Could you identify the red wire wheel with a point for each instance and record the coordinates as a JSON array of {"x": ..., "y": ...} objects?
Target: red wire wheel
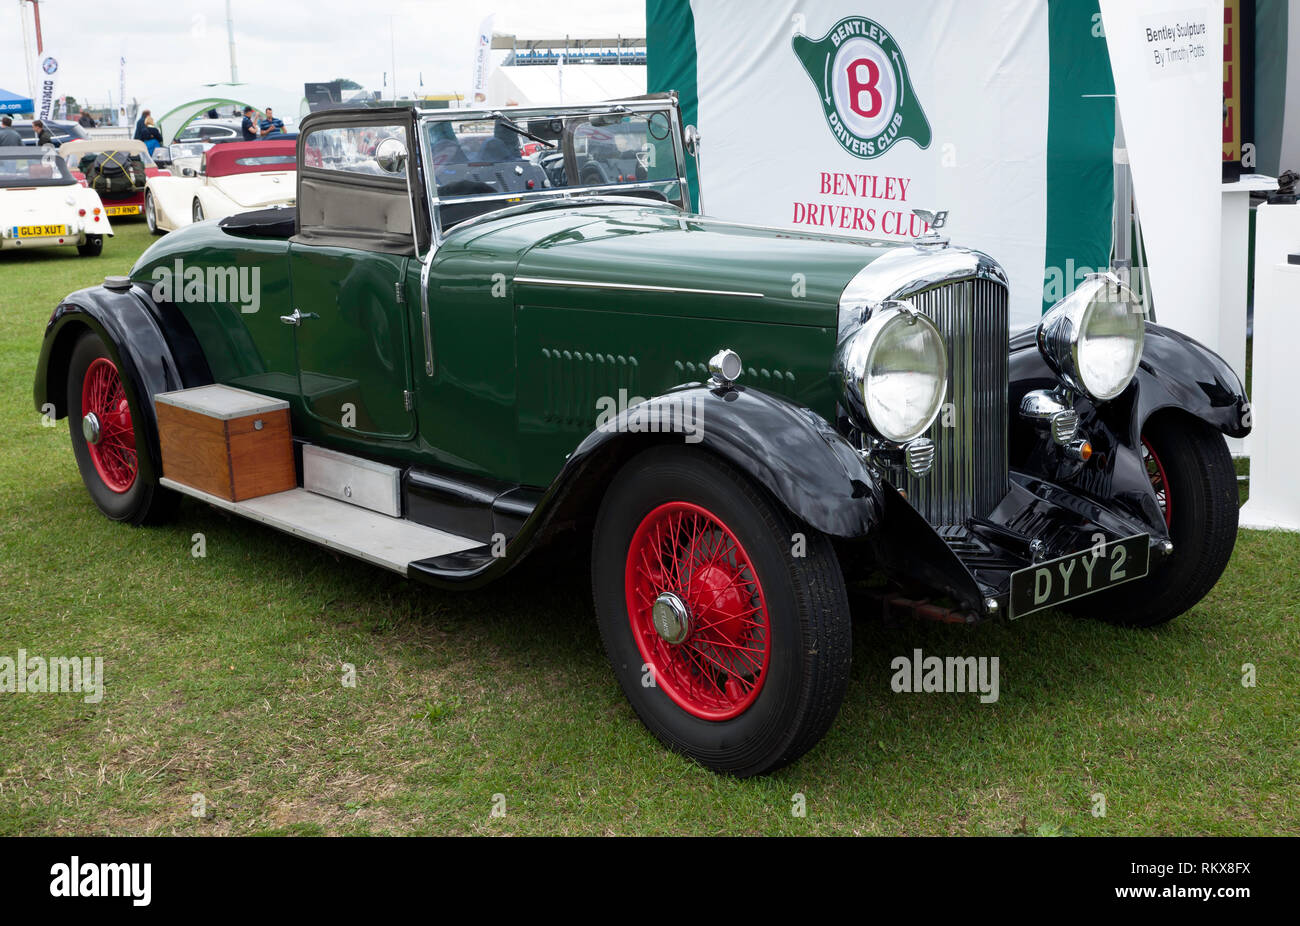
[
  {"x": 1159, "y": 481},
  {"x": 113, "y": 453},
  {"x": 697, "y": 611}
]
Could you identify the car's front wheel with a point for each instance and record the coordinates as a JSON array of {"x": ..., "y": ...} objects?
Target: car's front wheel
[
  {"x": 93, "y": 247},
  {"x": 151, "y": 213},
  {"x": 107, "y": 440},
  {"x": 726, "y": 620},
  {"x": 1195, "y": 485}
]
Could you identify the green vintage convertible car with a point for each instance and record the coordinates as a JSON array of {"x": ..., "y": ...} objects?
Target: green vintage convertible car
[{"x": 449, "y": 354}]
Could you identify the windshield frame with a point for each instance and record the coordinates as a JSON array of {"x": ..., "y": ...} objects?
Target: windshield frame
[{"x": 666, "y": 103}]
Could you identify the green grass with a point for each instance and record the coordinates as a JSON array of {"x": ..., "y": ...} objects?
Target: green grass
[{"x": 224, "y": 678}]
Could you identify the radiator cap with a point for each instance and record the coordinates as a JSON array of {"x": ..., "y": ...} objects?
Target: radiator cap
[{"x": 117, "y": 284}]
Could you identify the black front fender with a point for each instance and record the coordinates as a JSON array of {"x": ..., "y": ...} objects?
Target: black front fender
[
  {"x": 1175, "y": 372},
  {"x": 789, "y": 450}
]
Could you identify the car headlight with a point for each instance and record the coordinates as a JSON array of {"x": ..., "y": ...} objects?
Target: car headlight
[
  {"x": 895, "y": 372},
  {"x": 1092, "y": 339}
]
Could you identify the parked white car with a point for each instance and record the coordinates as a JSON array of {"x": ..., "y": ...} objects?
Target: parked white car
[
  {"x": 43, "y": 206},
  {"x": 232, "y": 177},
  {"x": 210, "y": 130}
]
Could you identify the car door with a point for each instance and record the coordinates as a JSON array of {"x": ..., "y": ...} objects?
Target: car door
[{"x": 348, "y": 269}]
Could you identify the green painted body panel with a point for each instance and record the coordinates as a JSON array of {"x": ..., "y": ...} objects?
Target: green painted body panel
[
  {"x": 799, "y": 276},
  {"x": 251, "y": 350},
  {"x": 354, "y": 360},
  {"x": 528, "y": 336}
]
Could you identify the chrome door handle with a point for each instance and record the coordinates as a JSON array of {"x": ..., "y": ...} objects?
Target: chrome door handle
[{"x": 297, "y": 318}]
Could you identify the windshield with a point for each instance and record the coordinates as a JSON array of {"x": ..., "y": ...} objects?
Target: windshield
[
  {"x": 485, "y": 163},
  {"x": 187, "y": 150},
  {"x": 40, "y": 169}
]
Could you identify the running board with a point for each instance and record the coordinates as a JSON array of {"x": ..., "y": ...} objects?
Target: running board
[{"x": 389, "y": 542}]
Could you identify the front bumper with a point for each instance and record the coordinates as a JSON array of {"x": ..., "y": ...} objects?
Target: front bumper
[{"x": 964, "y": 573}]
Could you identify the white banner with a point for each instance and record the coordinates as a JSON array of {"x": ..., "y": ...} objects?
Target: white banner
[
  {"x": 47, "y": 70},
  {"x": 483, "y": 60},
  {"x": 843, "y": 117},
  {"x": 1167, "y": 57}
]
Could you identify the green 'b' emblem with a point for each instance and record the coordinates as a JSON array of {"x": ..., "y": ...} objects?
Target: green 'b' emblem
[{"x": 861, "y": 78}]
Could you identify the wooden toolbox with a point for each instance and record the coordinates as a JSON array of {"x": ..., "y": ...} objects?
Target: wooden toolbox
[{"x": 227, "y": 442}]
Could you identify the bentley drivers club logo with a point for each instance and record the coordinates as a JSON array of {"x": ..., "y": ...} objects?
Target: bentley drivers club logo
[{"x": 861, "y": 79}]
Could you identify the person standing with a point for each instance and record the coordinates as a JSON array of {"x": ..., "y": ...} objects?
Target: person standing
[
  {"x": 9, "y": 137},
  {"x": 269, "y": 124},
  {"x": 139, "y": 125},
  {"x": 249, "y": 125},
  {"x": 150, "y": 135},
  {"x": 86, "y": 120},
  {"x": 43, "y": 136}
]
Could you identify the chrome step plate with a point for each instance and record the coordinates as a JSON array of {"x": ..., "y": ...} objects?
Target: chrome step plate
[{"x": 389, "y": 542}]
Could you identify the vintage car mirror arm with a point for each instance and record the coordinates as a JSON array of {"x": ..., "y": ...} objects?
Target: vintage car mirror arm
[{"x": 425, "y": 266}]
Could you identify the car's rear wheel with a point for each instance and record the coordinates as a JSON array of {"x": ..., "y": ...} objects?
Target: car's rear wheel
[
  {"x": 108, "y": 443},
  {"x": 93, "y": 247},
  {"x": 1195, "y": 486},
  {"x": 725, "y": 619},
  {"x": 151, "y": 213},
  {"x": 196, "y": 211}
]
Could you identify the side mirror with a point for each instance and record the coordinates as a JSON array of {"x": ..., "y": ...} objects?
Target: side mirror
[
  {"x": 162, "y": 157},
  {"x": 691, "y": 138},
  {"x": 188, "y": 172},
  {"x": 691, "y": 141},
  {"x": 390, "y": 155}
]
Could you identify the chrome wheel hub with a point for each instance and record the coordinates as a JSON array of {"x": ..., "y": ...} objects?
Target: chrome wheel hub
[
  {"x": 671, "y": 618},
  {"x": 90, "y": 428}
]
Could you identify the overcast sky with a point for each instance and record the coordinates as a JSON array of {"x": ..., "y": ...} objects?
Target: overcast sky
[{"x": 282, "y": 43}]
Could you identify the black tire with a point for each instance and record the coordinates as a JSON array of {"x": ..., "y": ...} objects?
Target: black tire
[
  {"x": 151, "y": 213},
  {"x": 145, "y": 502},
  {"x": 1202, "y": 494},
  {"x": 93, "y": 247},
  {"x": 807, "y": 606}
]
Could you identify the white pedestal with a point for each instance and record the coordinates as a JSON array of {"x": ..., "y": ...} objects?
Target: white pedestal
[
  {"x": 1233, "y": 277},
  {"x": 1274, "y": 442}
]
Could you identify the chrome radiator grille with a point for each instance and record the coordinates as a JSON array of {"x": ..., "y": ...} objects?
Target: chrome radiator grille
[{"x": 969, "y": 477}]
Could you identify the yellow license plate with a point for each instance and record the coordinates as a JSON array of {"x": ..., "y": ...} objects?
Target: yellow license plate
[
  {"x": 40, "y": 231},
  {"x": 122, "y": 210}
]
